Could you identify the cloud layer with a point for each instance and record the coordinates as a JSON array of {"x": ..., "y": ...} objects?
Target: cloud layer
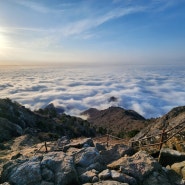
[{"x": 149, "y": 90}]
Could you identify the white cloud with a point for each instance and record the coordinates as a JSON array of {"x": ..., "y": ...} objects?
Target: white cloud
[{"x": 149, "y": 92}]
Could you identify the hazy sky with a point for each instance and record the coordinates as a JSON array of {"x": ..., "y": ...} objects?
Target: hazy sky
[{"x": 89, "y": 31}]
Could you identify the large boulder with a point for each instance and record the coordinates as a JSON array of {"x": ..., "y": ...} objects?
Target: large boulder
[
  {"x": 23, "y": 172},
  {"x": 87, "y": 157},
  {"x": 138, "y": 166},
  {"x": 169, "y": 156},
  {"x": 54, "y": 167},
  {"x": 115, "y": 153}
]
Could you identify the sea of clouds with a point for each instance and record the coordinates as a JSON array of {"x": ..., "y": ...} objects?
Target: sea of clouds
[{"x": 150, "y": 90}]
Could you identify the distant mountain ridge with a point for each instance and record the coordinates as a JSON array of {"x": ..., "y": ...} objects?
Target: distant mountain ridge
[{"x": 115, "y": 119}]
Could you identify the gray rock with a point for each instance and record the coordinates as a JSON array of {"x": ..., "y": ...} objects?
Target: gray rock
[
  {"x": 115, "y": 153},
  {"x": 123, "y": 178},
  {"x": 105, "y": 175},
  {"x": 26, "y": 173},
  {"x": 138, "y": 166},
  {"x": 79, "y": 144},
  {"x": 95, "y": 179},
  {"x": 169, "y": 157},
  {"x": 47, "y": 174},
  {"x": 117, "y": 176},
  {"x": 97, "y": 166},
  {"x": 54, "y": 166},
  {"x": 87, "y": 156},
  {"x": 100, "y": 147},
  {"x": 87, "y": 176},
  {"x": 62, "y": 166}
]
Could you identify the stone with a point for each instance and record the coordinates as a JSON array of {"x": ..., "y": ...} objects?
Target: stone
[
  {"x": 47, "y": 174},
  {"x": 115, "y": 153},
  {"x": 100, "y": 147},
  {"x": 87, "y": 176},
  {"x": 55, "y": 167},
  {"x": 87, "y": 157},
  {"x": 26, "y": 173},
  {"x": 62, "y": 167},
  {"x": 97, "y": 166},
  {"x": 117, "y": 176},
  {"x": 138, "y": 166},
  {"x": 123, "y": 178},
  {"x": 95, "y": 179},
  {"x": 105, "y": 175},
  {"x": 79, "y": 144},
  {"x": 169, "y": 157}
]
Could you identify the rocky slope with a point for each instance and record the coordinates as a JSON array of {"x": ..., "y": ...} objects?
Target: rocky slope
[
  {"x": 69, "y": 161},
  {"x": 84, "y": 162},
  {"x": 16, "y": 120},
  {"x": 115, "y": 120},
  {"x": 167, "y": 122}
]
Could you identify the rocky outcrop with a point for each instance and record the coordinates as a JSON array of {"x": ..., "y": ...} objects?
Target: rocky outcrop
[
  {"x": 8, "y": 130},
  {"x": 87, "y": 165},
  {"x": 46, "y": 124},
  {"x": 53, "y": 168}
]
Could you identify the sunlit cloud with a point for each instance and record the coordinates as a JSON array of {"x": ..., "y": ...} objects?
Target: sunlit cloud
[{"x": 150, "y": 92}]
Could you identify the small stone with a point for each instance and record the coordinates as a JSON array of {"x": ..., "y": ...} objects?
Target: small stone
[
  {"x": 95, "y": 179},
  {"x": 104, "y": 175}
]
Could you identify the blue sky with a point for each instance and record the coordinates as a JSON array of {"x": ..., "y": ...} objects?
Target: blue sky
[{"x": 92, "y": 31}]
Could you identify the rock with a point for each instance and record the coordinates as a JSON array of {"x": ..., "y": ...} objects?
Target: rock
[
  {"x": 87, "y": 157},
  {"x": 169, "y": 157},
  {"x": 105, "y": 175},
  {"x": 28, "y": 172},
  {"x": 179, "y": 168},
  {"x": 109, "y": 182},
  {"x": 47, "y": 174},
  {"x": 97, "y": 166},
  {"x": 63, "y": 141},
  {"x": 95, "y": 179},
  {"x": 100, "y": 147},
  {"x": 87, "y": 176},
  {"x": 123, "y": 178},
  {"x": 115, "y": 153},
  {"x": 62, "y": 167},
  {"x": 8, "y": 130},
  {"x": 138, "y": 166},
  {"x": 5, "y": 183},
  {"x": 163, "y": 177},
  {"x": 117, "y": 176},
  {"x": 79, "y": 144},
  {"x": 55, "y": 167}
]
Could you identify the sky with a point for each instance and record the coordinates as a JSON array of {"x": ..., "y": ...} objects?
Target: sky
[{"x": 92, "y": 32}]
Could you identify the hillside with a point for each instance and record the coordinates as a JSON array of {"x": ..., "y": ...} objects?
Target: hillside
[
  {"x": 48, "y": 124},
  {"x": 115, "y": 120}
]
